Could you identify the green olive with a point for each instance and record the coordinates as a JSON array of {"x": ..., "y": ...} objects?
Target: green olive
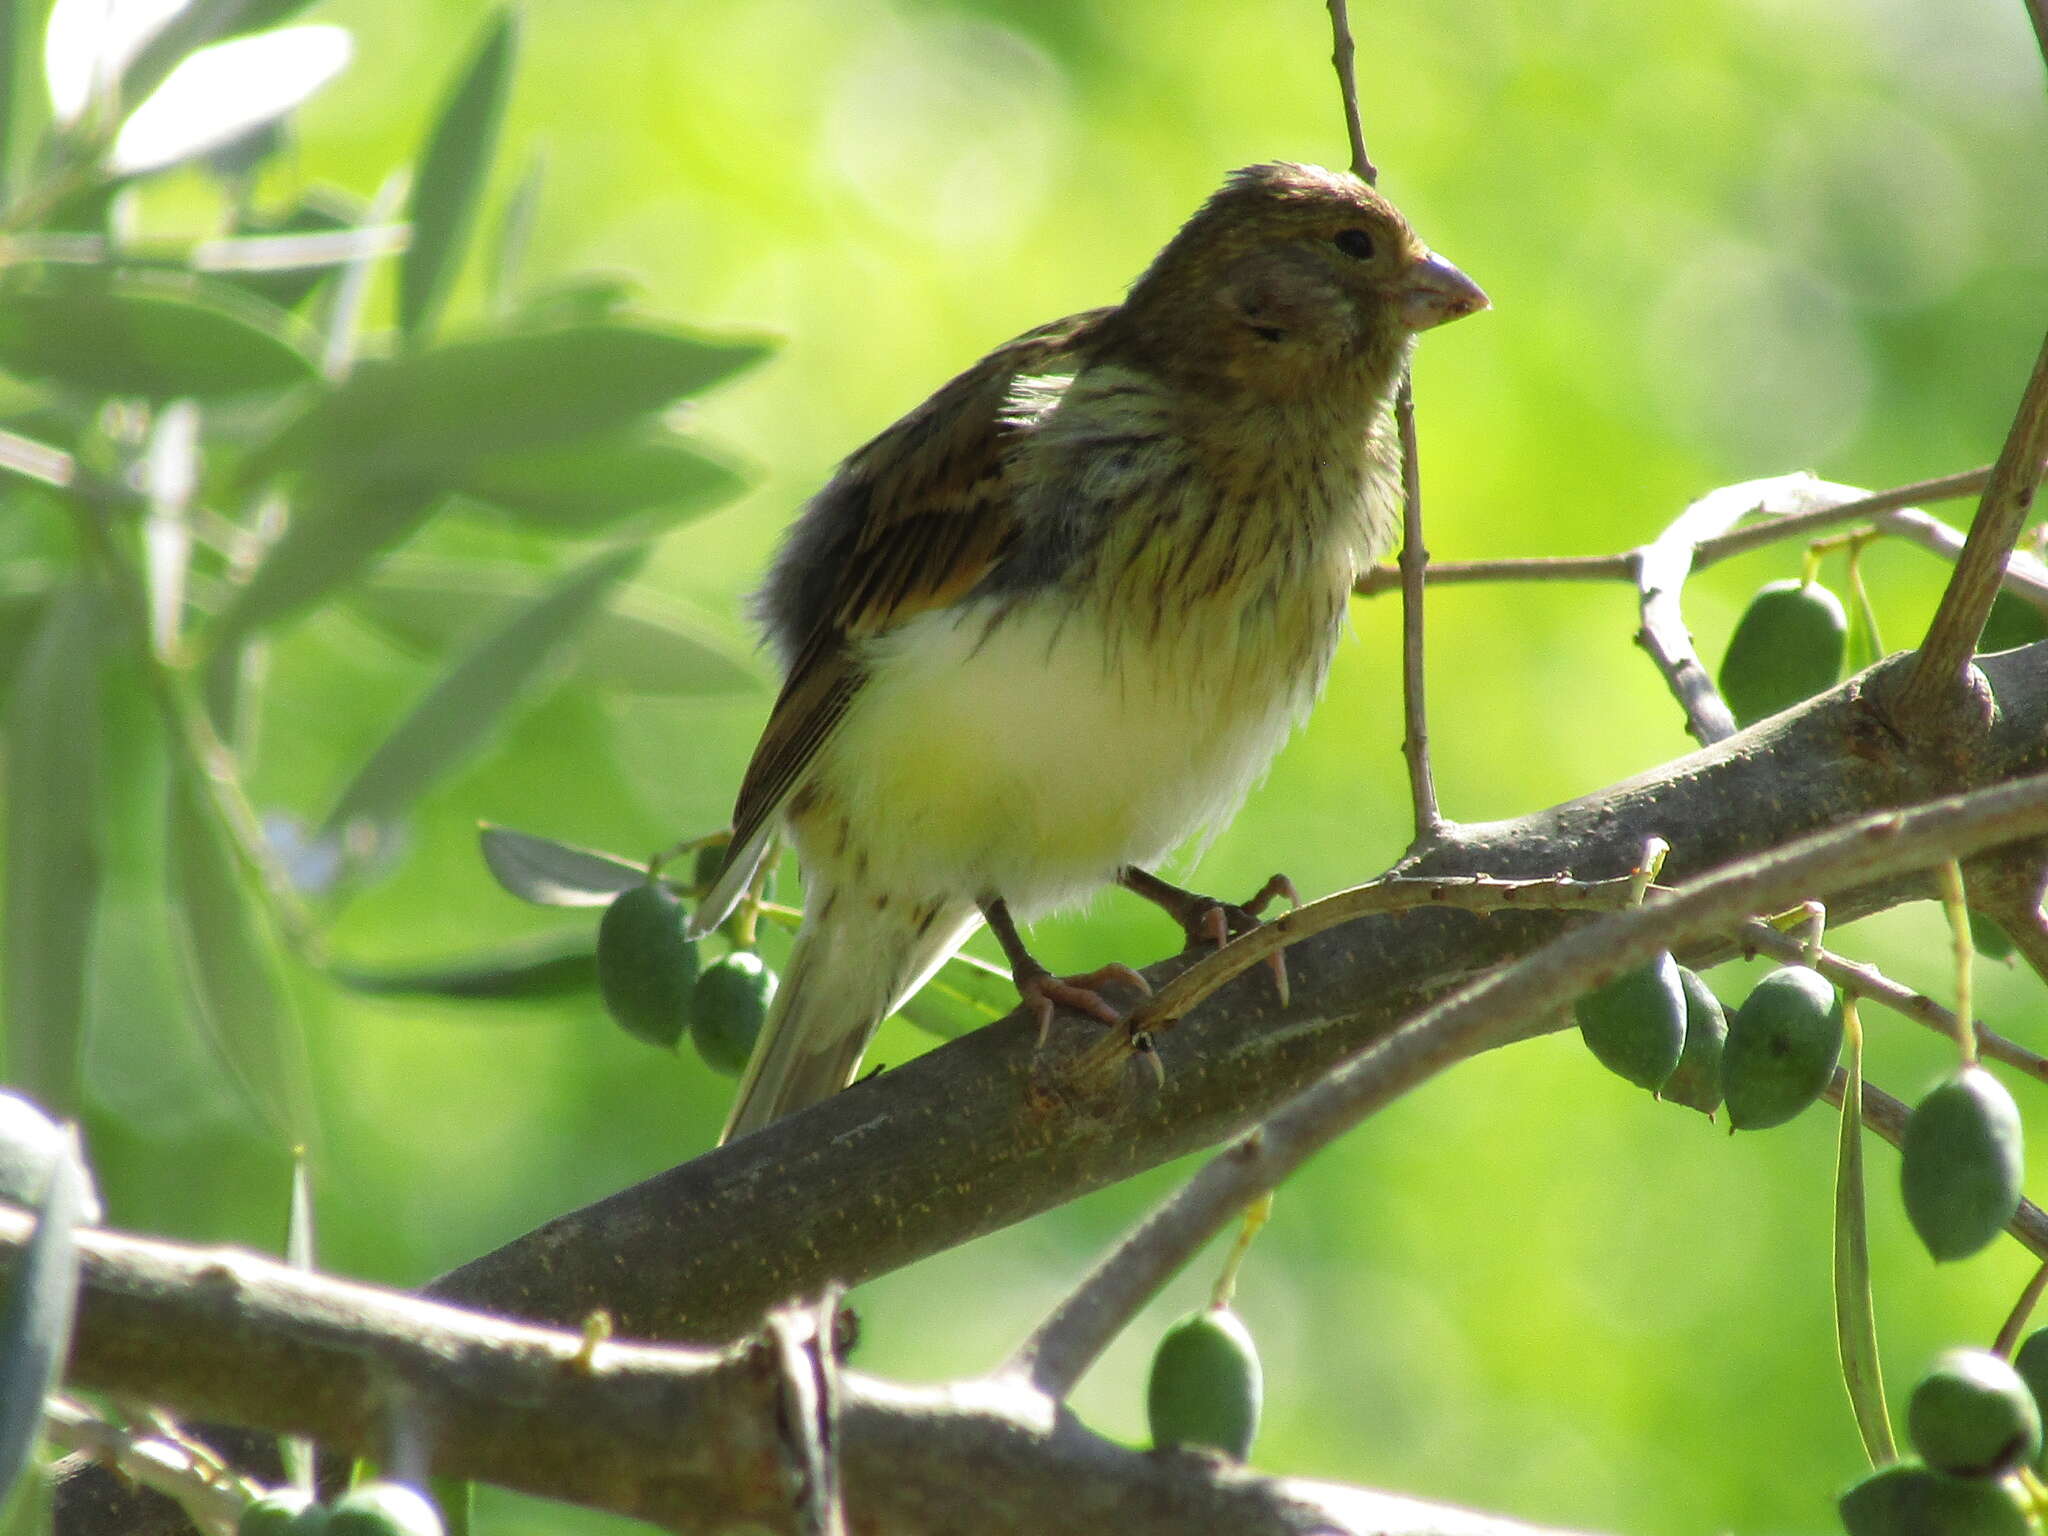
[
  {"x": 384, "y": 1509},
  {"x": 1781, "y": 1050},
  {"x": 728, "y": 1009},
  {"x": 1635, "y": 1024},
  {"x": 1972, "y": 1416},
  {"x": 1961, "y": 1163},
  {"x": 1206, "y": 1387},
  {"x": 283, "y": 1512},
  {"x": 1787, "y": 647},
  {"x": 1911, "y": 1500},
  {"x": 1696, "y": 1081},
  {"x": 646, "y": 969}
]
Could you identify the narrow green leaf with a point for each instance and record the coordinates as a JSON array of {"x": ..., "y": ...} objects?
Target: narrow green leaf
[
  {"x": 643, "y": 642},
  {"x": 53, "y": 863},
  {"x": 438, "y": 412},
  {"x": 1855, "y": 1313},
  {"x": 229, "y": 962},
  {"x": 21, "y": 615},
  {"x": 17, "y": 90},
  {"x": 449, "y": 187},
  {"x": 552, "y": 965},
  {"x": 31, "y": 1510},
  {"x": 582, "y": 488},
  {"x": 155, "y": 337},
  {"x": 460, "y": 711},
  {"x": 335, "y": 531},
  {"x": 220, "y": 94},
  {"x": 515, "y": 236},
  {"x": 1865, "y": 644},
  {"x": 35, "y": 1328},
  {"x": 296, "y": 1451},
  {"x": 552, "y": 874}
]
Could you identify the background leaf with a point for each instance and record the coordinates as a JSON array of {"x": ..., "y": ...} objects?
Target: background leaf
[
  {"x": 585, "y": 487},
  {"x": 443, "y": 410},
  {"x": 552, "y": 874},
  {"x": 229, "y": 961},
  {"x": 454, "y": 718},
  {"x": 35, "y": 1328},
  {"x": 335, "y": 531},
  {"x": 150, "y": 337},
  {"x": 224, "y": 92},
  {"x": 449, "y": 187},
  {"x": 550, "y": 965},
  {"x": 200, "y": 23},
  {"x": 641, "y": 643},
  {"x": 52, "y": 874}
]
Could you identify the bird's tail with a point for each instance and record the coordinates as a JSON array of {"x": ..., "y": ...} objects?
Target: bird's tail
[{"x": 853, "y": 964}]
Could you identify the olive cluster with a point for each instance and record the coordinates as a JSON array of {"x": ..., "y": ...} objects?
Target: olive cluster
[
  {"x": 655, "y": 987},
  {"x": 1975, "y": 1419}
]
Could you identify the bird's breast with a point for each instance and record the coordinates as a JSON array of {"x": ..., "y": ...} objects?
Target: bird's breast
[{"x": 1028, "y": 746}]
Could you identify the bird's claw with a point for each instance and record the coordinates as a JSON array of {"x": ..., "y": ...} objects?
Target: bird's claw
[
  {"x": 1042, "y": 992},
  {"x": 1218, "y": 922}
]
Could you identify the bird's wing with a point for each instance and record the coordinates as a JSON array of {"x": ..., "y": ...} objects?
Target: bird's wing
[{"x": 923, "y": 514}]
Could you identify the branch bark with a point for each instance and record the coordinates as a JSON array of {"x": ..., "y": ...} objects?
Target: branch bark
[{"x": 693, "y": 1440}]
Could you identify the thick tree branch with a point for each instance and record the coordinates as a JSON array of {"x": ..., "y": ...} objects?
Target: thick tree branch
[
  {"x": 1944, "y": 657},
  {"x": 693, "y": 1440}
]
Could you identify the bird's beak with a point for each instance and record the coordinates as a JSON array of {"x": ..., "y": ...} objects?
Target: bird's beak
[{"x": 1434, "y": 292}]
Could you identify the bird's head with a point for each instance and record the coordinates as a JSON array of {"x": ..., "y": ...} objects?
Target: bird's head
[{"x": 1293, "y": 279}]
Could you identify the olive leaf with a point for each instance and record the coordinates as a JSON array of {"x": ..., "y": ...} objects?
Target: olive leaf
[
  {"x": 459, "y": 712},
  {"x": 552, "y": 874},
  {"x": 449, "y": 187}
]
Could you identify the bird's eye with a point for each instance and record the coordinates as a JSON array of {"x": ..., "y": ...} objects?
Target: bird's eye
[{"x": 1355, "y": 243}]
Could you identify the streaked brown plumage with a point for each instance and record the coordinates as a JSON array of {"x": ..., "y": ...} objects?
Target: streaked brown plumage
[{"x": 1061, "y": 615}]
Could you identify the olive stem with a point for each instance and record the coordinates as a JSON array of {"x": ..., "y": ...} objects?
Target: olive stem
[
  {"x": 2016, "y": 1320},
  {"x": 1256, "y": 1215},
  {"x": 1950, "y": 875}
]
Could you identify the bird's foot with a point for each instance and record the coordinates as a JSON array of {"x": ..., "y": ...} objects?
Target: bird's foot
[
  {"x": 1042, "y": 992},
  {"x": 1205, "y": 920}
]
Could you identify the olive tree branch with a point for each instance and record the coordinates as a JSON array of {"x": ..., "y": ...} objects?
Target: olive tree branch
[
  {"x": 1488, "y": 1012},
  {"x": 1891, "y": 510},
  {"x": 696, "y": 1441}
]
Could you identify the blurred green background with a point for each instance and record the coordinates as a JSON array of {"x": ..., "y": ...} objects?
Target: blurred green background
[{"x": 1722, "y": 240}]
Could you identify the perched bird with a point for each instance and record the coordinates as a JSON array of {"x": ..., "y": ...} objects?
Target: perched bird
[{"x": 1062, "y": 615}]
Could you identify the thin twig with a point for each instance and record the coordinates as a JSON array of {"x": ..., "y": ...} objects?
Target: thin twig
[
  {"x": 1661, "y": 567},
  {"x": 1343, "y": 57},
  {"x": 1487, "y": 1011},
  {"x": 2022, "y": 1310},
  {"x": 1777, "y": 528},
  {"x": 1429, "y": 820},
  {"x": 2001, "y": 514}
]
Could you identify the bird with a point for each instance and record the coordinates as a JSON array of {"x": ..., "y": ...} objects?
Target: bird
[{"x": 1058, "y": 619}]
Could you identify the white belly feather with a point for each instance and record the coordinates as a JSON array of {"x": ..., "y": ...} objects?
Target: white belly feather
[{"x": 1034, "y": 757}]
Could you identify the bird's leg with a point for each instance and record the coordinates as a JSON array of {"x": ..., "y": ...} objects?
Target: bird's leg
[
  {"x": 1206, "y": 920},
  {"x": 1040, "y": 989}
]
